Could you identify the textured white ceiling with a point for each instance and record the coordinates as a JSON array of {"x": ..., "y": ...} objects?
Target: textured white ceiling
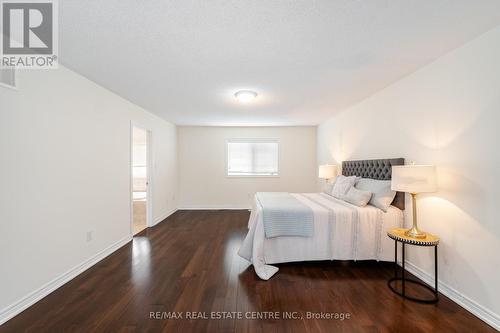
[{"x": 183, "y": 60}]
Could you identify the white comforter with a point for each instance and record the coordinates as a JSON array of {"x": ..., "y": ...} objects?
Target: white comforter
[{"x": 341, "y": 232}]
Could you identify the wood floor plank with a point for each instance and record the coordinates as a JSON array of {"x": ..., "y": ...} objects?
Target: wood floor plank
[{"x": 189, "y": 263}]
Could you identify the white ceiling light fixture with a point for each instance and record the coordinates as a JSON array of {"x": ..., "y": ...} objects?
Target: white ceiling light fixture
[{"x": 245, "y": 96}]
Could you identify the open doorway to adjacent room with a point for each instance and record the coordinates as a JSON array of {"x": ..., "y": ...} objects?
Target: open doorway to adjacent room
[{"x": 140, "y": 162}]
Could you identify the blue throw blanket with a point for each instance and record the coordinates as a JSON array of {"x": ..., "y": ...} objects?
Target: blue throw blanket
[{"x": 284, "y": 215}]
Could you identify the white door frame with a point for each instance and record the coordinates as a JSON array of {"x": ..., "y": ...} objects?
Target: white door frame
[{"x": 149, "y": 188}]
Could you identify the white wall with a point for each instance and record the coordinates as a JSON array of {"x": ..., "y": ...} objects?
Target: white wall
[
  {"x": 445, "y": 114},
  {"x": 65, "y": 144},
  {"x": 202, "y": 169}
]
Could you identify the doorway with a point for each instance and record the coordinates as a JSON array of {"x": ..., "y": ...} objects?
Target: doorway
[{"x": 140, "y": 179}]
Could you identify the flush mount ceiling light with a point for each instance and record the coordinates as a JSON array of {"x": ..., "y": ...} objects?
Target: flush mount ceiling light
[{"x": 245, "y": 96}]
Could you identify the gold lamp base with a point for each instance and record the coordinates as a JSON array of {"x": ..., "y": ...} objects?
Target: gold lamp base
[{"x": 414, "y": 232}]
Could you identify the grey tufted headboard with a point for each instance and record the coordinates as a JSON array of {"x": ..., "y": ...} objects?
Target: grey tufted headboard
[{"x": 376, "y": 169}]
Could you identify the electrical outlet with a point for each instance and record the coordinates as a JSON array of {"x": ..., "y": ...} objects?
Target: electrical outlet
[{"x": 90, "y": 236}]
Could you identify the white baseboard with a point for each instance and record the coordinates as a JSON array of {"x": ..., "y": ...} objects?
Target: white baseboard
[
  {"x": 213, "y": 208},
  {"x": 163, "y": 216},
  {"x": 30, "y": 299},
  {"x": 476, "y": 309}
]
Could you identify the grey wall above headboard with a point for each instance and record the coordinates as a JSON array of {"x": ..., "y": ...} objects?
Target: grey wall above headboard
[{"x": 380, "y": 169}]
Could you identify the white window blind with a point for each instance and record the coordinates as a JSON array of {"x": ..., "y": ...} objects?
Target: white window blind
[{"x": 252, "y": 157}]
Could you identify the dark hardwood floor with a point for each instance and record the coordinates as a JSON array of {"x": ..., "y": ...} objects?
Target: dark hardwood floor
[{"x": 189, "y": 263}]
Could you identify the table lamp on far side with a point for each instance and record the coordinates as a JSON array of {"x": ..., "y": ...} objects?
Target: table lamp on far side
[{"x": 327, "y": 172}]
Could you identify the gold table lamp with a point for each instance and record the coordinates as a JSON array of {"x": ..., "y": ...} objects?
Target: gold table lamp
[
  {"x": 414, "y": 179},
  {"x": 327, "y": 172}
]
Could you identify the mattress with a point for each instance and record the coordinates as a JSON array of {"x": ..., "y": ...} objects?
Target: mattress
[{"x": 341, "y": 232}]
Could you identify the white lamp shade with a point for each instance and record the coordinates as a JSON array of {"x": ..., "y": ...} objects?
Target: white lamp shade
[
  {"x": 414, "y": 178},
  {"x": 327, "y": 171}
]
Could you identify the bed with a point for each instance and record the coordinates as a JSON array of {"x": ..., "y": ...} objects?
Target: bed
[{"x": 341, "y": 231}]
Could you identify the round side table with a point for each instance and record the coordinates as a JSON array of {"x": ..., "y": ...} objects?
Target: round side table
[{"x": 398, "y": 235}]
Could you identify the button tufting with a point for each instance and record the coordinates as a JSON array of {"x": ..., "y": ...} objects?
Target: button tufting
[{"x": 380, "y": 169}]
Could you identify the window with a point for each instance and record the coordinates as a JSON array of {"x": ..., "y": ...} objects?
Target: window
[
  {"x": 255, "y": 158},
  {"x": 8, "y": 77}
]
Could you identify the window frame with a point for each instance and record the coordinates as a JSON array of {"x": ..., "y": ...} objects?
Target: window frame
[{"x": 251, "y": 140}]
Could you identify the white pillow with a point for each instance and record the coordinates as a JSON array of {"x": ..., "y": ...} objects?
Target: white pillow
[
  {"x": 357, "y": 197},
  {"x": 342, "y": 185},
  {"x": 382, "y": 195}
]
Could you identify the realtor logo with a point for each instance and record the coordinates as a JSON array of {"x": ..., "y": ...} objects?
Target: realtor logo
[{"x": 29, "y": 33}]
